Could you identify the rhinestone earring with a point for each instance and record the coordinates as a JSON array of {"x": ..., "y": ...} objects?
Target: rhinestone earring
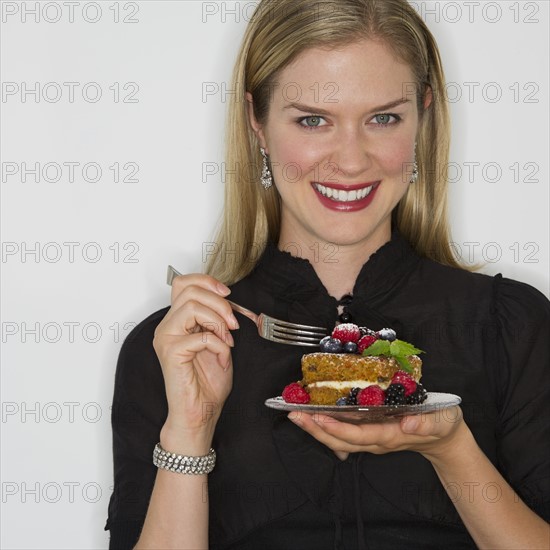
[
  {"x": 414, "y": 175},
  {"x": 266, "y": 177}
]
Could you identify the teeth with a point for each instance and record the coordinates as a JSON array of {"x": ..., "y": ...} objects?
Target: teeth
[{"x": 339, "y": 195}]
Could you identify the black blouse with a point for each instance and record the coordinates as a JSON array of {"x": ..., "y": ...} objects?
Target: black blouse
[{"x": 274, "y": 486}]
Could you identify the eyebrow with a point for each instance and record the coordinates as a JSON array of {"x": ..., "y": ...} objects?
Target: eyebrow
[{"x": 308, "y": 109}]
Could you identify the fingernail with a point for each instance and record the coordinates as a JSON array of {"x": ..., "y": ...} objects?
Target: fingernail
[
  {"x": 234, "y": 324},
  {"x": 295, "y": 417},
  {"x": 229, "y": 339},
  {"x": 223, "y": 290}
]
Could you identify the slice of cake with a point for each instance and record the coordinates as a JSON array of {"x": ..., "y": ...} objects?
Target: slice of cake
[
  {"x": 358, "y": 366},
  {"x": 330, "y": 376}
]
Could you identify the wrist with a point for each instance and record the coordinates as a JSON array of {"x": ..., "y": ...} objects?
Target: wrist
[
  {"x": 186, "y": 442},
  {"x": 456, "y": 451}
]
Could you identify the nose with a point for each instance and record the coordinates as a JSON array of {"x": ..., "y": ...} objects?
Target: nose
[{"x": 351, "y": 153}]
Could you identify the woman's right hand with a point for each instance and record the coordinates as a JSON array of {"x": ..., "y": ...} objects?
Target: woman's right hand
[{"x": 193, "y": 345}]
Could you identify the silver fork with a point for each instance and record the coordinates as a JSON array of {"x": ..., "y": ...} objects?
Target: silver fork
[{"x": 271, "y": 328}]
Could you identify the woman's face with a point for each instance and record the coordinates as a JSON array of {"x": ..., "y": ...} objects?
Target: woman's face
[{"x": 340, "y": 133}]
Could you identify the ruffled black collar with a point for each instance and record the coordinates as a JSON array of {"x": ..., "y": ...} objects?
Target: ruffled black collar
[{"x": 299, "y": 295}]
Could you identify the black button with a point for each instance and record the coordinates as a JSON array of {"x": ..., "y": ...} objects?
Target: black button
[{"x": 345, "y": 317}]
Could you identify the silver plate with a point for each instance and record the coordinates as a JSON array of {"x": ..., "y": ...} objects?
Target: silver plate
[{"x": 435, "y": 402}]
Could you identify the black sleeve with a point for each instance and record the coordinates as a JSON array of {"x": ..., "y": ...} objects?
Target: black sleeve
[
  {"x": 523, "y": 427},
  {"x": 138, "y": 413}
]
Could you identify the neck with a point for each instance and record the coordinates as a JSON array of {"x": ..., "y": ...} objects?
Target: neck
[{"x": 337, "y": 266}]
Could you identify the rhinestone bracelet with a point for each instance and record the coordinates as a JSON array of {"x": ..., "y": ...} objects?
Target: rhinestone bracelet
[{"x": 182, "y": 464}]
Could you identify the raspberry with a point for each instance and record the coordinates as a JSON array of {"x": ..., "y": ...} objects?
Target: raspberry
[
  {"x": 295, "y": 393},
  {"x": 406, "y": 380},
  {"x": 365, "y": 342},
  {"x": 395, "y": 395},
  {"x": 418, "y": 397},
  {"x": 371, "y": 395},
  {"x": 346, "y": 332}
]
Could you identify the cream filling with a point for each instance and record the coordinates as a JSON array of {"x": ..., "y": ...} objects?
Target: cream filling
[
  {"x": 347, "y": 384},
  {"x": 339, "y": 195}
]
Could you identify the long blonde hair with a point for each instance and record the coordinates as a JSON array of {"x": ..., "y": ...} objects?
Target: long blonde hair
[{"x": 277, "y": 33}]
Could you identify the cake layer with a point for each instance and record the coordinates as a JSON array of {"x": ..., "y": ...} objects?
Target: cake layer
[
  {"x": 326, "y": 396},
  {"x": 342, "y": 367}
]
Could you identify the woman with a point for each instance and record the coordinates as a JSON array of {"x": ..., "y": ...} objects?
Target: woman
[{"x": 340, "y": 145}]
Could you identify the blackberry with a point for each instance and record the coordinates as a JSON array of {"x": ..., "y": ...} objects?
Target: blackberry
[
  {"x": 352, "y": 397},
  {"x": 364, "y": 331},
  {"x": 418, "y": 397},
  {"x": 395, "y": 395}
]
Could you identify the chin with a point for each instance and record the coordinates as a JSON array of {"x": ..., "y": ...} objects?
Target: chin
[{"x": 346, "y": 237}]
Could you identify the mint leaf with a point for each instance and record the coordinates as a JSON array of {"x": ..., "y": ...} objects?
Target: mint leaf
[
  {"x": 399, "y": 347},
  {"x": 380, "y": 347},
  {"x": 404, "y": 363}
]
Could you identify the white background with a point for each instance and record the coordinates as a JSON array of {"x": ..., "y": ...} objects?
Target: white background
[{"x": 163, "y": 60}]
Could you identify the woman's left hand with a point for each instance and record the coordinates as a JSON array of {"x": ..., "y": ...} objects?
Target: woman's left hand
[{"x": 431, "y": 434}]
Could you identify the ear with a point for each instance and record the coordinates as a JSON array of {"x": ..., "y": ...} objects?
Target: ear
[
  {"x": 256, "y": 126},
  {"x": 428, "y": 97}
]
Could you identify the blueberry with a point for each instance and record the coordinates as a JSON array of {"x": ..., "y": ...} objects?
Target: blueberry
[
  {"x": 334, "y": 345},
  {"x": 323, "y": 342},
  {"x": 350, "y": 347},
  {"x": 387, "y": 334},
  {"x": 342, "y": 401}
]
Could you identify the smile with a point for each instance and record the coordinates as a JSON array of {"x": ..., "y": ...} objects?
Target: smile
[
  {"x": 341, "y": 195},
  {"x": 346, "y": 198}
]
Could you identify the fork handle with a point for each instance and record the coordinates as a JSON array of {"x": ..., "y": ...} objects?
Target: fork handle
[{"x": 246, "y": 312}]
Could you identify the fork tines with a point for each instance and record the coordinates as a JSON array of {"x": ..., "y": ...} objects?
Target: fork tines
[{"x": 301, "y": 335}]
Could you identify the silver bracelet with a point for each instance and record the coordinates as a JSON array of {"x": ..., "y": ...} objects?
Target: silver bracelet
[{"x": 182, "y": 464}]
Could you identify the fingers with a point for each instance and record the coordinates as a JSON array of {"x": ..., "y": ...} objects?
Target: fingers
[
  {"x": 198, "y": 280},
  {"x": 316, "y": 426},
  {"x": 194, "y": 316},
  {"x": 206, "y": 341},
  {"x": 175, "y": 349},
  {"x": 416, "y": 433},
  {"x": 436, "y": 424},
  {"x": 198, "y": 304}
]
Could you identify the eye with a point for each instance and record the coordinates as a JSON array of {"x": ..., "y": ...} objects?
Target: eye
[
  {"x": 312, "y": 121},
  {"x": 384, "y": 119}
]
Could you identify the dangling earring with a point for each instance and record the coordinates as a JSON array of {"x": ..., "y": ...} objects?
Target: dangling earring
[
  {"x": 266, "y": 177},
  {"x": 414, "y": 175}
]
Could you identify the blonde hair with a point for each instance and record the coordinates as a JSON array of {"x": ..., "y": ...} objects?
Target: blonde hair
[{"x": 277, "y": 33}]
